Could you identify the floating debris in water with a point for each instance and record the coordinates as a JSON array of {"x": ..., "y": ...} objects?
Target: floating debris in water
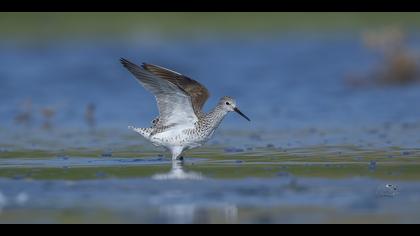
[
  {"x": 65, "y": 158},
  {"x": 107, "y": 154},
  {"x": 270, "y": 145},
  {"x": 372, "y": 165},
  {"x": 387, "y": 190},
  {"x": 232, "y": 149},
  {"x": 21, "y": 198},
  {"x": 239, "y": 161},
  {"x": 406, "y": 153}
]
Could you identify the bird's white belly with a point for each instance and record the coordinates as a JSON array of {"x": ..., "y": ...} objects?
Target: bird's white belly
[{"x": 177, "y": 137}]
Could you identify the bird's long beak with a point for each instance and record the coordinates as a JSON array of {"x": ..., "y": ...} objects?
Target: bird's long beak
[{"x": 240, "y": 113}]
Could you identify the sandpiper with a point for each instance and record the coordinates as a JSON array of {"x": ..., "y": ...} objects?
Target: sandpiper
[{"x": 181, "y": 124}]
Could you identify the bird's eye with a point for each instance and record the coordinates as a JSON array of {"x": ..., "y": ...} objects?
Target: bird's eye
[{"x": 227, "y": 103}]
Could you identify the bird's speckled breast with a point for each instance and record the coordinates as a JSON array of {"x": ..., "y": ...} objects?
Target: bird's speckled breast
[
  {"x": 189, "y": 136},
  {"x": 186, "y": 137}
]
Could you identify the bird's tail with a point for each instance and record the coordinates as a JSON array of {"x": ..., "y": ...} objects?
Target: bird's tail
[{"x": 145, "y": 132}]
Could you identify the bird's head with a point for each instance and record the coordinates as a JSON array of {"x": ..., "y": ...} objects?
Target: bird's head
[{"x": 229, "y": 104}]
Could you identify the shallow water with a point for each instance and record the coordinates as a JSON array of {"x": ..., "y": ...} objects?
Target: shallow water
[
  {"x": 316, "y": 150},
  {"x": 201, "y": 191},
  {"x": 136, "y": 184}
]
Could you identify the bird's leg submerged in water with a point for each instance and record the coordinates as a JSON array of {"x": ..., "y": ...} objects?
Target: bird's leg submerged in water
[{"x": 176, "y": 153}]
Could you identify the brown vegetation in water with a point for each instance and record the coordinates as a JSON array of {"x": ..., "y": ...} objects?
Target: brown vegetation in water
[
  {"x": 48, "y": 113},
  {"x": 399, "y": 65}
]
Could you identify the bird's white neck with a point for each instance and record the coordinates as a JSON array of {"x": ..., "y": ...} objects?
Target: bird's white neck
[{"x": 216, "y": 116}]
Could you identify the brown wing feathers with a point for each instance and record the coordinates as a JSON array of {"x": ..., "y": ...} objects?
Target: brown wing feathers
[{"x": 198, "y": 93}]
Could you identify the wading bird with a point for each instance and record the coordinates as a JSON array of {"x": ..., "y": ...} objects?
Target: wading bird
[{"x": 181, "y": 124}]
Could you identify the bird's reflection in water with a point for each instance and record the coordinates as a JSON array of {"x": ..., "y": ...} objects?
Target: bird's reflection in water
[
  {"x": 178, "y": 172},
  {"x": 183, "y": 212},
  {"x": 187, "y": 213}
]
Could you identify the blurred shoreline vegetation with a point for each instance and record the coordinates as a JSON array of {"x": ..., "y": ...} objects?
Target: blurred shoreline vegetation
[
  {"x": 66, "y": 25},
  {"x": 399, "y": 63}
]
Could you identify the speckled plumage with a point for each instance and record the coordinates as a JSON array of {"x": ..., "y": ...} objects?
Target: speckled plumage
[{"x": 181, "y": 124}]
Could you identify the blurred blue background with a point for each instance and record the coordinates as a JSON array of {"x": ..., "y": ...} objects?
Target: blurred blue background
[{"x": 319, "y": 71}]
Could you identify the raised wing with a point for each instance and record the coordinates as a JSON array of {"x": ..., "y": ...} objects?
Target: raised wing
[
  {"x": 198, "y": 93},
  {"x": 175, "y": 106}
]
